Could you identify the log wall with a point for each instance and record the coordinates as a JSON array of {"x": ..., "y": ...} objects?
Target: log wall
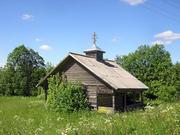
[{"x": 76, "y": 72}]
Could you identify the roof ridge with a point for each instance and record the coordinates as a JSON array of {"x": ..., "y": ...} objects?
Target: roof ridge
[
  {"x": 110, "y": 60},
  {"x": 80, "y": 55},
  {"x": 89, "y": 56}
]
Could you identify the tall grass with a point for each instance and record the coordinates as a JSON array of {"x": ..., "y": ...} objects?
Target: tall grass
[{"x": 29, "y": 116}]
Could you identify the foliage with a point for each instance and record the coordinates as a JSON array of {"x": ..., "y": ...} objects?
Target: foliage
[
  {"x": 65, "y": 96},
  {"x": 41, "y": 93},
  {"x": 49, "y": 67},
  {"x": 166, "y": 93},
  {"x": 176, "y": 69},
  {"x": 22, "y": 72},
  {"x": 28, "y": 116},
  {"x": 153, "y": 66}
]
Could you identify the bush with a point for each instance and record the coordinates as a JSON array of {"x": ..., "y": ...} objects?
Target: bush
[
  {"x": 65, "y": 96},
  {"x": 167, "y": 93}
]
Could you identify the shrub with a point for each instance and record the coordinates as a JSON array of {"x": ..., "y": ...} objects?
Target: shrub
[
  {"x": 65, "y": 96},
  {"x": 166, "y": 93}
]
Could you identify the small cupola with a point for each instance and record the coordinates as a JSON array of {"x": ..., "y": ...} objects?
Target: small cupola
[{"x": 95, "y": 51}]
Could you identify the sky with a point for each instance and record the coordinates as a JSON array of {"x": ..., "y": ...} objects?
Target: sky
[{"x": 54, "y": 28}]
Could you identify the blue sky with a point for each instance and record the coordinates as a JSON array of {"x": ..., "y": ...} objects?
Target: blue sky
[{"x": 56, "y": 27}]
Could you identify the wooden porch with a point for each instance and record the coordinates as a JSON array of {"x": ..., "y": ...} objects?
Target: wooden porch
[{"x": 121, "y": 101}]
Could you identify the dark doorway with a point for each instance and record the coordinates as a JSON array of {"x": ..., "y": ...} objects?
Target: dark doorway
[
  {"x": 105, "y": 100},
  {"x": 119, "y": 101}
]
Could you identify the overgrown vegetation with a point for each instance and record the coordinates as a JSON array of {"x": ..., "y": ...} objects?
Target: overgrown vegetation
[
  {"x": 65, "y": 96},
  {"x": 153, "y": 66},
  {"x": 29, "y": 116}
]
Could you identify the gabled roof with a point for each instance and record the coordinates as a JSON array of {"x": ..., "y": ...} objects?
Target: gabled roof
[{"x": 108, "y": 71}]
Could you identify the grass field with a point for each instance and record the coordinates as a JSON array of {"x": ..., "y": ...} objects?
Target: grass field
[{"x": 28, "y": 116}]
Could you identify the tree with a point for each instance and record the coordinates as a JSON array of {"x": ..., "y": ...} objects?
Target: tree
[
  {"x": 49, "y": 67},
  {"x": 22, "y": 72},
  {"x": 1, "y": 78},
  {"x": 6, "y": 77},
  {"x": 152, "y": 65},
  {"x": 176, "y": 69}
]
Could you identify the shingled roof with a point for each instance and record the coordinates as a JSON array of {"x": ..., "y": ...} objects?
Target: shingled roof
[{"x": 108, "y": 71}]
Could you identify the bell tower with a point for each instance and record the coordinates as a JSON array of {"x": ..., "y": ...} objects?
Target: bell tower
[{"x": 95, "y": 51}]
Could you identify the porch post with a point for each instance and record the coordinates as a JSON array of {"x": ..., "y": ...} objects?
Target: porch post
[
  {"x": 113, "y": 101},
  {"x": 142, "y": 97},
  {"x": 133, "y": 97},
  {"x": 45, "y": 94},
  {"x": 46, "y": 89},
  {"x": 97, "y": 101},
  {"x": 97, "y": 97},
  {"x": 125, "y": 101}
]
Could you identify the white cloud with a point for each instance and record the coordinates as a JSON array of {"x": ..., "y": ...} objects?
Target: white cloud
[
  {"x": 166, "y": 37},
  {"x": 160, "y": 42},
  {"x": 27, "y": 17},
  {"x": 115, "y": 39},
  {"x": 38, "y": 39},
  {"x": 45, "y": 47},
  {"x": 134, "y": 2}
]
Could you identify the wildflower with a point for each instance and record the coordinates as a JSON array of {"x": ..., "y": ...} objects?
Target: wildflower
[
  {"x": 58, "y": 131},
  {"x": 63, "y": 133},
  {"x": 75, "y": 129},
  {"x": 81, "y": 123},
  {"x": 40, "y": 129},
  {"x": 68, "y": 127},
  {"x": 176, "y": 120},
  {"x": 30, "y": 120},
  {"x": 124, "y": 116},
  {"x": 93, "y": 126},
  {"x": 149, "y": 107},
  {"x": 164, "y": 111},
  {"x": 169, "y": 108},
  {"x": 59, "y": 118},
  {"x": 16, "y": 117},
  {"x": 107, "y": 121}
]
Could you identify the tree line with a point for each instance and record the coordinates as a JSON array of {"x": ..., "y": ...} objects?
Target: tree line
[{"x": 150, "y": 64}]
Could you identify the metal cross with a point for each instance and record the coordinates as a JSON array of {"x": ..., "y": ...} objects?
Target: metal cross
[{"x": 94, "y": 38}]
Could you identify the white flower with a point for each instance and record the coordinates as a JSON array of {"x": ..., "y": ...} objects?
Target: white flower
[
  {"x": 59, "y": 118},
  {"x": 16, "y": 117},
  {"x": 107, "y": 121},
  {"x": 149, "y": 107},
  {"x": 63, "y": 133},
  {"x": 30, "y": 120}
]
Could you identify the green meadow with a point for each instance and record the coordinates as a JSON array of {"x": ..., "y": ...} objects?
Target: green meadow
[{"x": 29, "y": 116}]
